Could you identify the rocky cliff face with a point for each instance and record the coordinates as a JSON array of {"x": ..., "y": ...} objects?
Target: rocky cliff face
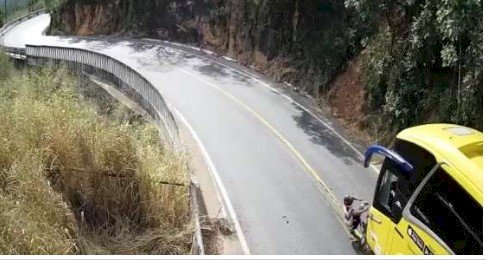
[
  {"x": 87, "y": 18},
  {"x": 302, "y": 42}
]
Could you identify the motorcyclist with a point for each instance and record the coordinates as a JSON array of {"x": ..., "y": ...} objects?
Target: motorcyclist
[
  {"x": 351, "y": 220},
  {"x": 352, "y": 215}
]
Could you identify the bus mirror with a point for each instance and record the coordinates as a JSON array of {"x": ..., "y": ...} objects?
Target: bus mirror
[
  {"x": 377, "y": 159},
  {"x": 396, "y": 209},
  {"x": 390, "y": 154}
]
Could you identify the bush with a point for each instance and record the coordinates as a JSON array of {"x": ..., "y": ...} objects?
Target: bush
[
  {"x": 425, "y": 64},
  {"x": 76, "y": 182}
]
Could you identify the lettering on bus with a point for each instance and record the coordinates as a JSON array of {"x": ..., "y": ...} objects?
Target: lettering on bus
[{"x": 418, "y": 241}]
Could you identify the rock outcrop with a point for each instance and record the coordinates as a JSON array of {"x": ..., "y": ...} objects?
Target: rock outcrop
[{"x": 301, "y": 42}]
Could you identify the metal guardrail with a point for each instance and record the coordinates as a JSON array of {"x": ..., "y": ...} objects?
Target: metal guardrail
[
  {"x": 126, "y": 79},
  {"x": 15, "y": 50},
  {"x": 197, "y": 242},
  {"x": 16, "y": 53},
  {"x": 9, "y": 25}
]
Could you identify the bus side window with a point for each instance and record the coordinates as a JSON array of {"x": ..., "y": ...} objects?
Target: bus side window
[
  {"x": 388, "y": 198},
  {"x": 451, "y": 213}
]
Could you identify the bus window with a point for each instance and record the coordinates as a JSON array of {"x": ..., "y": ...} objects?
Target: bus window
[
  {"x": 387, "y": 197},
  {"x": 395, "y": 188},
  {"x": 451, "y": 213}
]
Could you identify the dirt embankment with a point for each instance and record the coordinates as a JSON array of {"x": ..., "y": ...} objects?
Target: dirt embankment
[
  {"x": 347, "y": 99},
  {"x": 86, "y": 19}
]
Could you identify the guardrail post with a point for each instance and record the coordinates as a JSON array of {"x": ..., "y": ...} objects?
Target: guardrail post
[{"x": 197, "y": 244}]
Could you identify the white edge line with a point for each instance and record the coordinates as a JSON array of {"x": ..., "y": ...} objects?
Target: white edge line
[
  {"x": 229, "y": 58},
  {"x": 222, "y": 213},
  {"x": 321, "y": 121},
  {"x": 360, "y": 154},
  {"x": 219, "y": 183},
  {"x": 276, "y": 90},
  {"x": 298, "y": 104}
]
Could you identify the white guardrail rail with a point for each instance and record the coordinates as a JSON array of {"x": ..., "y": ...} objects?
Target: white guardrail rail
[
  {"x": 9, "y": 25},
  {"x": 126, "y": 79}
]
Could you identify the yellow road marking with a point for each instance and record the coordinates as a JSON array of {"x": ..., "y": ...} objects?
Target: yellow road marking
[
  {"x": 327, "y": 191},
  {"x": 359, "y": 153}
]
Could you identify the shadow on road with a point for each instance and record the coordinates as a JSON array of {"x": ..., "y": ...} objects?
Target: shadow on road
[{"x": 321, "y": 135}]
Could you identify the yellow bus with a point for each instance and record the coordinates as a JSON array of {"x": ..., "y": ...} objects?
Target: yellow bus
[{"x": 429, "y": 194}]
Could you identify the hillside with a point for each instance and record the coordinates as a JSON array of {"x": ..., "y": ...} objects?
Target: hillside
[{"x": 380, "y": 68}]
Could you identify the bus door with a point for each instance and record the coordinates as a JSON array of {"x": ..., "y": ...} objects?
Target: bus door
[
  {"x": 404, "y": 237},
  {"x": 403, "y": 170},
  {"x": 386, "y": 210}
]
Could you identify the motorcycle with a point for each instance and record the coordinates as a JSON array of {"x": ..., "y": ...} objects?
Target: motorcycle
[{"x": 356, "y": 218}]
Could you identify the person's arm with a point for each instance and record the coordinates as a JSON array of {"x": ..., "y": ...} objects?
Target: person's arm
[{"x": 349, "y": 215}]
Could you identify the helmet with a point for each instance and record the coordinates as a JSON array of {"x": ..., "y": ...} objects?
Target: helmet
[{"x": 348, "y": 200}]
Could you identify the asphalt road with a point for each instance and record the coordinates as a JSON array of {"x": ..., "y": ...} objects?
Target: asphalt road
[{"x": 283, "y": 169}]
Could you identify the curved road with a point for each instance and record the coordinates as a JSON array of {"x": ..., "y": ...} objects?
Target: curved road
[{"x": 283, "y": 169}]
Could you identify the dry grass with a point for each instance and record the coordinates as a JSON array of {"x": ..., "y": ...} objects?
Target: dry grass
[{"x": 76, "y": 182}]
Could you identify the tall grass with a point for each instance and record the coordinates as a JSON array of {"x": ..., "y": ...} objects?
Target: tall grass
[{"x": 74, "y": 181}]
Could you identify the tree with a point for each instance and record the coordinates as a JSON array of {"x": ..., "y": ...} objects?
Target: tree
[
  {"x": 2, "y": 18},
  {"x": 431, "y": 60}
]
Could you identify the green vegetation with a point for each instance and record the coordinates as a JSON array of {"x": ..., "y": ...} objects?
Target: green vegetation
[
  {"x": 74, "y": 180},
  {"x": 425, "y": 62},
  {"x": 12, "y": 4},
  {"x": 17, "y": 8}
]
